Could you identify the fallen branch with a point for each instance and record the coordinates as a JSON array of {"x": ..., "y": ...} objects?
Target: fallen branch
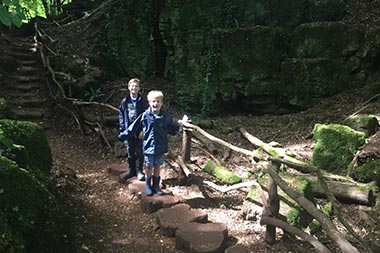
[
  {"x": 183, "y": 166},
  {"x": 225, "y": 189},
  {"x": 226, "y": 144},
  {"x": 325, "y": 222},
  {"x": 77, "y": 102},
  {"x": 266, "y": 220}
]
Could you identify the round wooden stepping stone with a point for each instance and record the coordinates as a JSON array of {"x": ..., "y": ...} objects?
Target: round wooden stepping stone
[
  {"x": 202, "y": 238},
  {"x": 150, "y": 204},
  {"x": 170, "y": 219}
]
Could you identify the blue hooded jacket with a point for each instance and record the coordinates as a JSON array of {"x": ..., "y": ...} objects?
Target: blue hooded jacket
[
  {"x": 155, "y": 131},
  {"x": 124, "y": 120}
]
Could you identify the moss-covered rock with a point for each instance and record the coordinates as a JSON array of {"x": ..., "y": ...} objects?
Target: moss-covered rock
[
  {"x": 298, "y": 216},
  {"x": 364, "y": 123},
  {"x": 30, "y": 217},
  {"x": 369, "y": 171},
  {"x": 5, "y": 110},
  {"x": 335, "y": 146},
  {"x": 31, "y": 136},
  {"x": 290, "y": 209},
  {"x": 221, "y": 173}
]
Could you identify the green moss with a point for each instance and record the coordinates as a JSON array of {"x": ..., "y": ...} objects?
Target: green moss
[
  {"x": 367, "y": 172},
  {"x": 8, "y": 242},
  {"x": 298, "y": 216},
  {"x": 5, "y": 110},
  {"x": 221, "y": 173},
  {"x": 294, "y": 213},
  {"x": 29, "y": 211},
  {"x": 335, "y": 146},
  {"x": 364, "y": 123},
  {"x": 31, "y": 136}
]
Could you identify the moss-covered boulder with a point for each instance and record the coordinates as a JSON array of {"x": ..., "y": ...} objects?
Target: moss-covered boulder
[
  {"x": 5, "y": 110},
  {"x": 30, "y": 217},
  {"x": 294, "y": 213},
  {"x": 367, "y": 172},
  {"x": 221, "y": 173},
  {"x": 335, "y": 146},
  {"x": 364, "y": 123},
  {"x": 31, "y": 136}
]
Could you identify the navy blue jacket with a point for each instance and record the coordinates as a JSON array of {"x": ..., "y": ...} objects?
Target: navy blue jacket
[
  {"x": 155, "y": 131},
  {"x": 124, "y": 121}
]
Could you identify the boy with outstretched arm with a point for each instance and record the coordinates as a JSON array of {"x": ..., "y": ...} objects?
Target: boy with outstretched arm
[
  {"x": 155, "y": 123},
  {"x": 132, "y": 106}
]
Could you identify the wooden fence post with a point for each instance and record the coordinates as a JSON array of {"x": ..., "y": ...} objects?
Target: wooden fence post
[
  {"x": 186, "y": 144},
  {"x": 274, "y": 204}
]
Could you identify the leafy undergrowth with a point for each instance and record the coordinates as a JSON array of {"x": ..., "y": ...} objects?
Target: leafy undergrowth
[{"x": 106, "y": 218}]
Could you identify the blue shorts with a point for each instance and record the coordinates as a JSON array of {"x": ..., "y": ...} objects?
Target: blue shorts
[{"x": 153, "y": 160}]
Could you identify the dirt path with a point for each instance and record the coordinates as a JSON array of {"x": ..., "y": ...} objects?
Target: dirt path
[{"x": 104, "y": 216}]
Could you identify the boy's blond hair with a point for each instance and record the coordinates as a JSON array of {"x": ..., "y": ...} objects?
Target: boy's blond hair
[
  {"x": 134, "y": 80},
  {"x": 155, "y": 94}
]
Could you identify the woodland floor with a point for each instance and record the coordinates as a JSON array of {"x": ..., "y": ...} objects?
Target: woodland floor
[{"x": 106, "y": 218}]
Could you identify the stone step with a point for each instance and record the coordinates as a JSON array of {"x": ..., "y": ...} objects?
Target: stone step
[
  {"x": 192, "y": 231},
  {"x": 22, "y": 55},
  {"x": 205, "y": 238},
  {"x": 29, "y": 113},
  {"x": 28, "y": 70},
  {"x": 24, "y": 47},
  {"x": 28, "y": 78},
  {"x": 25, "y": 102},
  {"x": 25, "y": 86},
  {"x": 170, "y": 219},
  {"x": 30, "y": 62}
]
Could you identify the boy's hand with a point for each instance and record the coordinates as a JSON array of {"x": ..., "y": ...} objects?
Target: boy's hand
[{"x": 184, "y": 120}]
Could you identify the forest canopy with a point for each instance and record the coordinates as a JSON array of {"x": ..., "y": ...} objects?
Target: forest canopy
[{"x": 17, "y": 12}]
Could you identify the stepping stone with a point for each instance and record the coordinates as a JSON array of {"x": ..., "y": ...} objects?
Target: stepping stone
[
  {"x": 151, "y": 204},
  {"x": 237, "y": 249},
  {"x": 170, "y": 219},
  {"x": 202, "y": 238}
]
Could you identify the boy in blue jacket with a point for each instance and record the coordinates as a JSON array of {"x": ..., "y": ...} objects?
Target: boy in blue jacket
[
  {"x": 130, "y": 108},
  {"x": 155, "y": 123}
]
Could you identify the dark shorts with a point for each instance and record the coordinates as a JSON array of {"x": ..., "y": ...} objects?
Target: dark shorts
[{"x": 153, "y": 160}]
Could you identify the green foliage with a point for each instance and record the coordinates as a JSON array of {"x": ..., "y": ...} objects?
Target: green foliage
[
  {"x": 6, "y": 144},
  {"x": 93, "y": 94},
  {"x": 28, "y": 212},
  {"x": 210, "y": 92},
  {"x": 5, "y": 110},
  {"x": 11, "y": 13},
  {"x": 15, "y": 12},
  {"x": 31, "y": 136}
]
